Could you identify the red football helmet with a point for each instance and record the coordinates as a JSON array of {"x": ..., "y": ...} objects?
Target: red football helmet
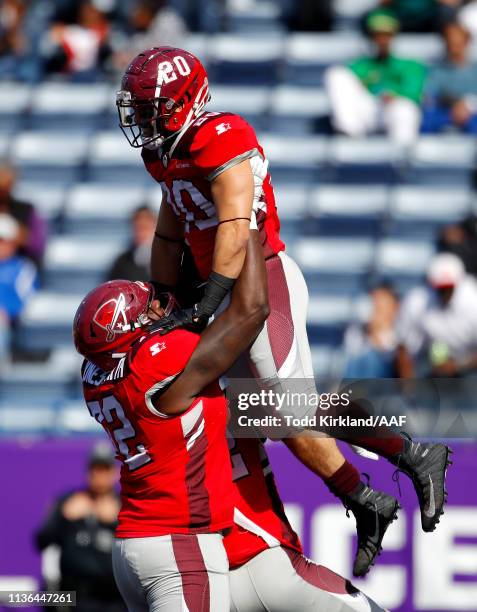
[
  {"x": 163, "y": 90},
  {"x": 110, "y": 318}
]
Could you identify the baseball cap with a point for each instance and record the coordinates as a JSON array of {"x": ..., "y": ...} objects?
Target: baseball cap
[
  {"x": 101, "y": 454},
  {"x": 382, "y": 20},
  {"x": 9, "y": 228},
  {"x": 446, "y": 270}
]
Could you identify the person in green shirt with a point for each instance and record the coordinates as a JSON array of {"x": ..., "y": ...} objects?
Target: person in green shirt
[{"x": 379, "y": 91}]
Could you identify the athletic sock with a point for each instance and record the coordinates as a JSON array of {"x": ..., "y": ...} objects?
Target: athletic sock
[{"x": 345, "y": 481}]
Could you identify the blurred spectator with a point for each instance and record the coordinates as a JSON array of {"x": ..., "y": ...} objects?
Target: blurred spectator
[
  {"x": 16, "y": 61},
  {"x": 437, "y": 326},
  {"x": 461, "y": 239},
  {"x": 310, "y": 16},
  {"x": 82, "y": 524},
  {"x": 378, "y": 91},
  {"x": 133, "y": 264},
  {"x": 422, "y": 15},
  {"x": 78, "y": 49},
  {"x": 152, "y": 23},
  {"x": 18, "y": 280},
  {"x": 451, "y": 91},
  {"x": 371, "y": 348},
  {"x": 33, "y": 230}
]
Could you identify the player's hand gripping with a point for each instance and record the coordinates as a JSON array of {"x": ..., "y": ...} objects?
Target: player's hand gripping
[
  {"x": 190, "y": 318},
  {"x": 197, "y": 317}
]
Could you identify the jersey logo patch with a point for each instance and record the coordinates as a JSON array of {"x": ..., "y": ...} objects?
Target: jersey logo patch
[
  {"x": 222, "y": 128},
  {"x": 157, "y": 348}
]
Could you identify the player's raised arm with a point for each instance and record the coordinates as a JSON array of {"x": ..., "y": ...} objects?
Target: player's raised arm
[
  {"x": 232, "y": 192},
  {"x": 167, "y": 248},
  {"x": 227, "y": 337}
]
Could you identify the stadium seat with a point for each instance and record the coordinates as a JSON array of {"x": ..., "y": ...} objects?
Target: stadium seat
[
  {"x": 298, "y": 110},
  {"x": 69, "y": 107},
  {"x": 307, "y": 55},
  {"x": 292, "y": 205},
  {"x": 364, "y": 161},
  {"x": 352, "y": 9},
  {"x": 445, "y": 160},
  {"x": 403, "y": 261},
  {"x": 252, "y": 103},
  {"x": 14, "y": 107},
  {"x": 327, "y": 319},
  {"x": 73, "y": 417},
  {"x": 50, "y": 158},
  {"x": 28, "y": 418},
  {"x": 73, "y": 264},
  {"x": 325, "y": 361},
  {"x": 350, "y": 210},
  {"x": 245, "y": 60},
  {"x": 51, "y": 379},
  {"x": 5, "y": 142},
  {"x": 94, "y": 208},
  {"x": 47, "y": 198},
  {"x": 334, "y": 255},
  {"x": 254, "y": 18},
  {"x": 422, "y": 211},
  {"x": 111, "y": 159},
  {"x": 298, "y": 160},
  {"x": 337, "y": 265},
  {"x": 47, "y": 321},
  {"x": 427, "y": 48},
  {"x": 292, "y": 202},
  {"x": 198, "y": 44}
]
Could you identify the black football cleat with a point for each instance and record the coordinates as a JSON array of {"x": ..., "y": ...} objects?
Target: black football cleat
[
  {"x": 426, "y": 465},
  {"x": 374, "y": 512}
]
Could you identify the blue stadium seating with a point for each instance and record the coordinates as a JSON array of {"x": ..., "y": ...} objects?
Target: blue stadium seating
[
  {"x": 422, "y": 211},
  {"x": 296, "y": 111},
  {"x": 353, "y": 210},
  {"x": 93, "y": 208},
  {"x": 245, "y": 61},
  {"x": 308, "y": 55},
  {"x": 252, "y": 103},
  {"x": 111, "y": 159},
  {"x": 50, "y": 158},
  {"x": 78, "y": 265},
  {"x": 69, "y": 108},
  {"x": 364, "y": 161},
  {"x": 46, "y": 321}
]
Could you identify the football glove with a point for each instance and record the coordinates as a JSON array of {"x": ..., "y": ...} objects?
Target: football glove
[{"x": 191, "y": 319}]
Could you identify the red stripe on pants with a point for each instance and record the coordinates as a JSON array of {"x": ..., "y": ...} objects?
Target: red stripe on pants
[{"x": 194, "y": 576}]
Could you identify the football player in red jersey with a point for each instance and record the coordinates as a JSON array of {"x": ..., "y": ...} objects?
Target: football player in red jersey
[
  {"x": 158, "y": 398},
  {"x": 268, "y": 570},
  {"x": 214, "y": 177}
]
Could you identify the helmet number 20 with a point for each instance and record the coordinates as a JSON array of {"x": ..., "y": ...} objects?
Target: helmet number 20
[{"x": 167, "y": 71}]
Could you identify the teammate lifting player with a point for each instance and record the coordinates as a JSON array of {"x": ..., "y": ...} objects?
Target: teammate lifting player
[
  {"x": 216, "y": 186},
  {"x": 157, "y": 396}
]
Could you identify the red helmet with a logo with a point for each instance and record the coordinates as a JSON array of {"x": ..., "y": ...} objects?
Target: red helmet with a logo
[
  {"x": 110, "y": 318},
  {"x": 163, "y": 90}
]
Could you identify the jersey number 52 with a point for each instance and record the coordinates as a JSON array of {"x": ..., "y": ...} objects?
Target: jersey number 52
[{"x": 110, "y": 414}]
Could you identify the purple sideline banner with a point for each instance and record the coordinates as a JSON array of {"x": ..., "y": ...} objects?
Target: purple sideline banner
[{"x": 417, "y": 571}]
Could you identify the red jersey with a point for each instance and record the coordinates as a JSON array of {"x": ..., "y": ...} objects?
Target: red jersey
[
  {"x": 214, "y": 142},
  {"x": 260, "y": 521},
  {"x": 175, "y": 473}
]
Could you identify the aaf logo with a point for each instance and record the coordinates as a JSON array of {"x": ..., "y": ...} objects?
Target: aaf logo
[{"x": 222, "y": 128}]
